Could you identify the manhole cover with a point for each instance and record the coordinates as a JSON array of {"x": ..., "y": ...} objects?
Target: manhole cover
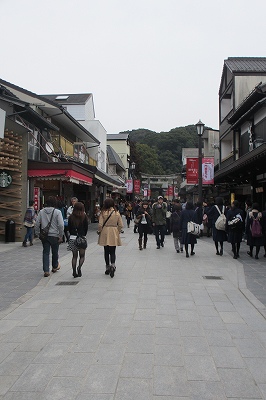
[
  {"x": 71, "y": 283},
  {"x": 212, "y": 277}
]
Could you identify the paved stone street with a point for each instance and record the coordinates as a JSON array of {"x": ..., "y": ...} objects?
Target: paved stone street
[{"x": 158, "y": 330}]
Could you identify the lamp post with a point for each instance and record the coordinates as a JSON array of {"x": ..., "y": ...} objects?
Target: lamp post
[
  {"x": 133, "y": 166},
  {"x": 200, "y": 128}
]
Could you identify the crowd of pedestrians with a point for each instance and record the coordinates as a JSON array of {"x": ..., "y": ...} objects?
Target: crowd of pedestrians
[{"x": 233, "y": 224}]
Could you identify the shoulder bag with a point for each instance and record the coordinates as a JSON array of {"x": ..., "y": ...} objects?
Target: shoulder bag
[
  {"x": 98, "y": 233},
  {"x": 193, "y": 228},
  {"x": 44, "y": 231}
]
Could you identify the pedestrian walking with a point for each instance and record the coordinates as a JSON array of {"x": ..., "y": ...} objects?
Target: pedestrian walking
[
  {"x": 144, "y": 224},
  {"x": 77, "y": 226},
  {"x": 187, "y": 215},
  {"x": 128, "y": 213},
  {"x": 175, "y": 227},
  {"x": 235, "y": 227},
  {"x": 50, "y": 215},
  {"x": 254, "y": 231},
  {"x": 29, "y": 222},
  {"x": 70, "y": 208},
  {"x": 168, "y": 216},
  {"x": 219, "y": 235},
  {"x": 109, "y": 228},
  {"x": 159, "y": 209}
]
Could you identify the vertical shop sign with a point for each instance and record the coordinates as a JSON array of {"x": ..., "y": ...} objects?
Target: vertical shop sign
[
  {"x": 208, "y": 171},
  {"x": 129, "y": 185},
  {"x": 36, "y": 198},
  {"x": 192, "y": 170},
  {"x": 136, "y": 186}
]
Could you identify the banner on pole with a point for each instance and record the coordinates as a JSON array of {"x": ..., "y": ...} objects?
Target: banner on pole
[
  {"x": 192, "y": 170},
  {"x": 208, "y": 171},
  {"x": 136, "y": 186},
  {"x": 129, "y": 185}
]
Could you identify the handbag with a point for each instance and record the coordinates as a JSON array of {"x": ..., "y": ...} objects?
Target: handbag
[
  {"x": 81, "y": 242},
  {"x": 168, "y": 214},
  {"x": 143, "y": 221},
  {"x": 136, "y": 220},
  {"x": 193, "y": 228},
  {"x": 43, "y": 235},
  {"x": 98, "y": 233}
]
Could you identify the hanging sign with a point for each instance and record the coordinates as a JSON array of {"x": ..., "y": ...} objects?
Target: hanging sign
[
  {"x": 208, "y": 171},
  {"x": 129, "y": 184},
  {"x": 137, "y": 186},
  {"x": 192, "y": 170}
]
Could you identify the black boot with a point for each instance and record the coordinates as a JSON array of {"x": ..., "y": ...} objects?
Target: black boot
[
  {"x": 145, "y": 244},
  {"x": 24, "y": 244},
  {"x": 140, "y": 244}
]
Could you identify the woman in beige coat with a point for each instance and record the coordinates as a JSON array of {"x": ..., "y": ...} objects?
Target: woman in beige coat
[{"x": 109, "y": 228}]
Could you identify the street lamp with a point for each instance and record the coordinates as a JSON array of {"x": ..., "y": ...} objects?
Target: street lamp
[
  {"x": 200, "y": 128},
  {"x": 132, "y": 167}
]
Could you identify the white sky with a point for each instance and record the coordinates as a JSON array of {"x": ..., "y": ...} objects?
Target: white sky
[{"x": 153, "y": 64}]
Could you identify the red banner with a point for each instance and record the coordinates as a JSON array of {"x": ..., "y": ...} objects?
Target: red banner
[
  {"x": 208, "y": 171},
  {"x": 137, "y": 186},
  {"x": 170, "y": 191},
  {"x": 192, "y": 170}
]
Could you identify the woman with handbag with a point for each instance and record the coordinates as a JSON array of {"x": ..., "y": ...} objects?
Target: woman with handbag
[
  {"x": 78, "y": 228},
  {"x": 144, "y": 223},
  {"x": 235, "y": 227},
  {"x": 109, "y": 228},
  {"x": 187, "y": 215}
]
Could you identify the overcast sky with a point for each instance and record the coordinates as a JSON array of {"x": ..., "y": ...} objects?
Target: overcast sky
[{"x": 153, "y": 64}]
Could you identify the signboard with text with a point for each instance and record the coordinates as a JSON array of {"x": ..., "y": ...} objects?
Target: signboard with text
[
  {"x": 208, "y": 171},
  {"x": 137, "y": 186},
  {"x": 192, "y": 170},
  {"x": 129, "y": 185}
]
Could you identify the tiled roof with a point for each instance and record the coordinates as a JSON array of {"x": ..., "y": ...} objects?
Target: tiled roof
[
  {"x": 246, "y": 64},
  {"x": 68, "y": 98},
  {"x": 114, "y": 157}
]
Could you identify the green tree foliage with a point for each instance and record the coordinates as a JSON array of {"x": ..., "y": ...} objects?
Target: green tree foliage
[
  {"x": 148, "y": 160},
  {"x": 161, "y": 153}
]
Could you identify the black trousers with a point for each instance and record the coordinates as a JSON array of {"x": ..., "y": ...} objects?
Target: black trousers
[{"x": 109, "y": 254}]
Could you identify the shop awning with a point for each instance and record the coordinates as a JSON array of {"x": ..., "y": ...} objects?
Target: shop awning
[{"x": 57, "y": 174}]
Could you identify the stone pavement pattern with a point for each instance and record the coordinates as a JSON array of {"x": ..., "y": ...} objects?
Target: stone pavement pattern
[{"x": 157, "y": 331}]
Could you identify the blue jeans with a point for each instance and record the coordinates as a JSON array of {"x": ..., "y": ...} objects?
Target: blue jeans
[
  {"x": 29, "y": 234},
  {"x": 50, "y": 243},
  {"x": 159, "y": 230}
]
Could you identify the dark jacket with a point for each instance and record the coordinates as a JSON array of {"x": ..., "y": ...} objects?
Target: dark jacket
[
  {"x": 213, "y": 214},
  {"x": 235, "y": 233},
  {"x": 186, "y": 216},
  {"x": 159, "y": 213},
  {"x": 82, "y": 228},
  {"x": 175, "y": 223}
]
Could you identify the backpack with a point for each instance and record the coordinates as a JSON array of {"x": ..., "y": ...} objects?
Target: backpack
[
  {"x": 221, "y": 220},
  {"x": 255, "y": 227}
]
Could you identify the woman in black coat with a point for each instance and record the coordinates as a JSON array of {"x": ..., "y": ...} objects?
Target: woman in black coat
[
  {"x": 144, "y": 225},
  {"x": 256, "y": 242},
  {"x": 188, "y": 214},
  {"x": 235, "y": 227},
  {"x": 218, "y": 236},
  {"x": 175, "y": 227}
]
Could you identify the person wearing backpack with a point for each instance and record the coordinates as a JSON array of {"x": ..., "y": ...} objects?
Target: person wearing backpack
[
  {"x": 254, "y": 231},
  {"x": 235, "y": 227},
  {"x": 218, "y": 235}
]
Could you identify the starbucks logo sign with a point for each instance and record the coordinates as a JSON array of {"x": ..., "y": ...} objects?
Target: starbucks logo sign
[{"x": 5, "y": 179}]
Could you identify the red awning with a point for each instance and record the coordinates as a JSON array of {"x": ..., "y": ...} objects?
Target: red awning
[{"x": 64, "y": 175}]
